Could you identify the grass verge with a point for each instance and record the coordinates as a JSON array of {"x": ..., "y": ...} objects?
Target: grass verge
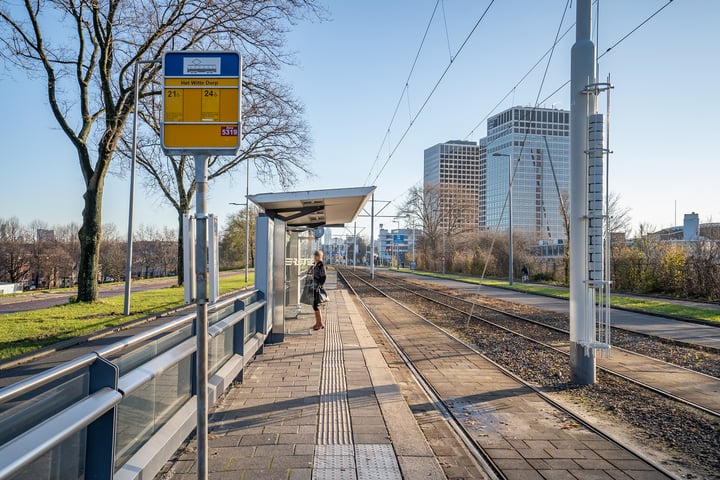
[
  {"x": 653, "y": 307},
  {"x": 23, "y": 332}
]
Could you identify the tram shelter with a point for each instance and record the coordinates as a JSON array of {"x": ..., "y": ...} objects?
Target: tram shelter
[{"x": 285, "y": 242}]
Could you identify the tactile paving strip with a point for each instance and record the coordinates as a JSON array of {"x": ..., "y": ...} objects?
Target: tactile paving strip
[
  {"x": 376, "y": 462},
  {"x": 334, "y": 427},
  {"x": 336, "y": 458}
]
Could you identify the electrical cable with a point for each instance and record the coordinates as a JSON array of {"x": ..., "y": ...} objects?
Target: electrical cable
[
  {"x": 513, "y": 171},
  {"x": 519, "y": 82},
  {"x": 404, "y": 90},
  {"x": 432, "y": 91},
  {"x": 656, "y": 12},
  {"x": 622, "y": 39}
]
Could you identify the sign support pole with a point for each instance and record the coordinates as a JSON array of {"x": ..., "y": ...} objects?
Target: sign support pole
[{"x": 201, "y": 270}]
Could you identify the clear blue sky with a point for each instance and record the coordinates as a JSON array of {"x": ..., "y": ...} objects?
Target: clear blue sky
[{"x": 350, "y": 72}]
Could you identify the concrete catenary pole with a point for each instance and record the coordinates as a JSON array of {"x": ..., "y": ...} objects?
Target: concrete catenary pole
[
  {"x": 582, "y": 68},
  {"x": 372, "y": 238}
]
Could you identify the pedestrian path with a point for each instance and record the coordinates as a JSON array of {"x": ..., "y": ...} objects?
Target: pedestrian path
[
  {"x": 320, "y": 405},
  {"x": 638, "y": 322}
]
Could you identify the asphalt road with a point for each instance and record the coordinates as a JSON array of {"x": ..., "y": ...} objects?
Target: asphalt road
[{"x": 38, "y": 300}]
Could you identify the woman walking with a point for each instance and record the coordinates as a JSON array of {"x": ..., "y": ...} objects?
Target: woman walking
[{"x": 318, "y": 274}]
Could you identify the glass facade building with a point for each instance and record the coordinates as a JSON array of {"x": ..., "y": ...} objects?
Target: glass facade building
[
  {"x": 452, "y": 170},
  {"x": 540, "y": 139}
]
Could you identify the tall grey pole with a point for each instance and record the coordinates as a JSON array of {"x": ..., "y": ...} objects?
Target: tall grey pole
[
  {"x": 247, "y": 220},
  {"x": 372, "y": 237},
  {"x": 444, "y": 259},
  {"x": 131, "y": 207},
  {"x": 582, "y": 73},
  {"x": 201, "y": 325},
  {"x": 510, "y": 221},
  {"x": 354, "y": 245},
  {"x": 413, "y": 240}
]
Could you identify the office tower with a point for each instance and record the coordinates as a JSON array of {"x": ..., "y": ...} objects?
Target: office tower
[
  {"x": 540, "y": 138},
  {"x": 452, "y": 174}
]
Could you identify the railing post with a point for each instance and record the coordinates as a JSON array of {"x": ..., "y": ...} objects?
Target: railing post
[
  {"x": 239, "y": 334},
  {"x": 239, "y": 329},
  {"x": 100, "y": 441}
]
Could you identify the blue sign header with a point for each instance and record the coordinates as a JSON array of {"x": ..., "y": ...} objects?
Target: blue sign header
[{"x": 201, "y": 64}]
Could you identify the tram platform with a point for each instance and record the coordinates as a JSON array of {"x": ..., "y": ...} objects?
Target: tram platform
[
  {"x": 334, "y": 404},
  {"x": 320, "y": 405}
]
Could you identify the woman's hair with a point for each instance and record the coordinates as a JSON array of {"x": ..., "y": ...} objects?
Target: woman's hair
[{"x": 318, "y": 253}]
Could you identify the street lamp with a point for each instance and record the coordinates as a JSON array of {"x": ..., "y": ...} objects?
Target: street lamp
[
  {"x": 395, "y": 247},
  {"x": 510, "y": 222},
  {"x": 440, "y": 218},
  {"x": 247, "y": 209}
]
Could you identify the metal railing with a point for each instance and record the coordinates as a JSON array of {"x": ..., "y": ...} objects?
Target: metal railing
[{"x": 104, "y": 414}]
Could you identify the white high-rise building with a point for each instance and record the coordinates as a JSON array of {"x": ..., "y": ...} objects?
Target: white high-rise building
[{"x": 540, "y": 137}]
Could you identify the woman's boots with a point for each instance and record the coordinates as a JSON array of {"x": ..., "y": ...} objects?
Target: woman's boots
[{"x": 318, "y": 321}]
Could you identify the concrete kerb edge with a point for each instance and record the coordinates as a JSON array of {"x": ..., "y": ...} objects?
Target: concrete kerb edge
[{"x": 89, "y": 337}]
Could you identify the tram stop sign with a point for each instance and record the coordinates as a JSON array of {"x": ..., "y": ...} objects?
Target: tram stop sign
[{"x": 202, "y": 98}]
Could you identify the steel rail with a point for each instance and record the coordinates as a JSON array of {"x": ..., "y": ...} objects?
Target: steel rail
[
  {"x": 580, "y": 420},
  {"x": 478, "y": 453},
  {"x": 607, "y": 370}
]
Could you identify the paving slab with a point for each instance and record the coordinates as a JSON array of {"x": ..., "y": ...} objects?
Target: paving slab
[
  {"x": 322, "y": 404},
  {"x": 509, "y": 420}
]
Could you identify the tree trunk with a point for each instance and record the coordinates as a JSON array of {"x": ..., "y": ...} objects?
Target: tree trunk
[{"x": 90, "y": 235}]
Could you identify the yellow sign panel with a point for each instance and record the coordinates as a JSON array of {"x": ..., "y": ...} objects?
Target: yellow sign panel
[
  {"x": 174, "y": 105},
  {"x": 201, "y": 103}
]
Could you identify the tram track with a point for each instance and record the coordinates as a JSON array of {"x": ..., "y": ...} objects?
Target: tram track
[
  {"x": 551, "y": 346},
  {"x": 559, "y": 337}
]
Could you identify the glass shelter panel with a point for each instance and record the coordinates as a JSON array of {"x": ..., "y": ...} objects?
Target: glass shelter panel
[{"x": 298, "y": 259}]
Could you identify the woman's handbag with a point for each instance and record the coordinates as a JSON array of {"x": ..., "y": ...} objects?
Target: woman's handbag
[{"x": 322, "y": 295}]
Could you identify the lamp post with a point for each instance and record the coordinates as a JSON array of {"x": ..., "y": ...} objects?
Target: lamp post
[
  {"x": 395, "y": 247},
  {"x": 247, "y": 210},
  {"x": 413, "y": 240},
  {"x": 510, "y": 209}
]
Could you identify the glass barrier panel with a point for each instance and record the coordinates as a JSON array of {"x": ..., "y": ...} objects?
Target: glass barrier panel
[
  {"x": 218, "y": 315},
  {"x": 221, "y": 348},
  {"x": 23, "y": 413},
  {"x": 251, "y": 324},
  {"x": 144, "y": 411},
  {"x": 148, "y": 351},
  {"x": 64, "y": 462}
]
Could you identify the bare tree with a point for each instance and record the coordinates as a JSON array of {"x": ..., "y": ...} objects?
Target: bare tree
[
  {"x": 232, "y": 240},
  {"x": 86, "y": 50},
  {"x": 619, "y": 219},
  {"x": 112, "y": 253},
  {"x": 440, "y": 218},
  {"x": 15, "y": 254},
  {"x": 275, "y": 139}
]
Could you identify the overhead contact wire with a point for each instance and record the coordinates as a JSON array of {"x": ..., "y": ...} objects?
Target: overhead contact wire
[
  {"x": 432, "y": 92},
  {"x": 403, "y": 92}
]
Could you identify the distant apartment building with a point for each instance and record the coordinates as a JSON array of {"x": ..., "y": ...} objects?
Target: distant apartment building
[
  {"x": 540, "y": 138},
  {"x": 397, "y": 243},
  {"x": 452, "y": 171}
]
